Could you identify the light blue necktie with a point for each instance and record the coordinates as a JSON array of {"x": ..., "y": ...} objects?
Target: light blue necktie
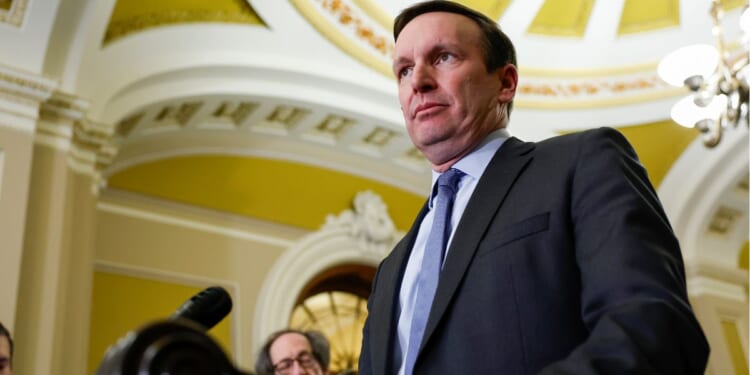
[{"x": 427, "y": 280}]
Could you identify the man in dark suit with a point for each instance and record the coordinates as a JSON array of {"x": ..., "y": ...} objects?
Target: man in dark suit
[{"x": 554, "y": 257}]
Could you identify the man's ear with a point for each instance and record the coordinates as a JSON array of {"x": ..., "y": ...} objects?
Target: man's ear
[{"x": 508, "y": 76}]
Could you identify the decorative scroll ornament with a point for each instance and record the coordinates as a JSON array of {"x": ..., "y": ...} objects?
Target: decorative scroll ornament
[{"x": 368, "y": 223}]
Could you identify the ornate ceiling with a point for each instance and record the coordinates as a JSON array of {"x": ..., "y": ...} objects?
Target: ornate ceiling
[{"x": 229, "y": 101}]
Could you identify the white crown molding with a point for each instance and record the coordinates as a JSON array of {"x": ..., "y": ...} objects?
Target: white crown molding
[
  {"x": 126, "y": 209},
  {"x": 21, "y": 94}
]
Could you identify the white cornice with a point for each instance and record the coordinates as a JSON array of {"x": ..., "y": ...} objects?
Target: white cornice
[
  {"x": 708, "y": 269},
  {"x": 125, "y": 207},
  {"x": 25, "y": 86},
  {"x": 21, "y": 94}
]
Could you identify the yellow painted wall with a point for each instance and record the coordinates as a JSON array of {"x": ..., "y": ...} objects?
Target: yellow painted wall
[
  {"x": 121, "y": 304},
  {"x": 279, "y": 191},
  {"x": 739, "y": 361}
]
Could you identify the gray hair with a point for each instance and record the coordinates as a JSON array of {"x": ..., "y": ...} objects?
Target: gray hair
[{"x": 318, "y": 342}]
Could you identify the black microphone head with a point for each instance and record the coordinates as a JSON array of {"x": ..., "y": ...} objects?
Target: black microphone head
[
  {"x": 178, "y": 347},
  {"x": 206, "y": 308}
]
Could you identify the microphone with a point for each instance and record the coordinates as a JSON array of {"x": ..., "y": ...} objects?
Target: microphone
[
  {"x": 178, "y": 345},
  {"x": 206, "y": 308}
]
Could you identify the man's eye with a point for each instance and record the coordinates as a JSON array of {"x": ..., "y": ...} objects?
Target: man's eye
[
  {"x": 405, "y": 72},
  {"x": 445, "y": 57}
]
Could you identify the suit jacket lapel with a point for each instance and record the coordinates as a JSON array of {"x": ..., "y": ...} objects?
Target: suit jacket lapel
[
  {"x": 384, "y": 314},
  {"x": 493, "y": 187}
]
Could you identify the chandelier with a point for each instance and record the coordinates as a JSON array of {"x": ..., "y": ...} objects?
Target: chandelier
[{"x": 717, "y": 77}]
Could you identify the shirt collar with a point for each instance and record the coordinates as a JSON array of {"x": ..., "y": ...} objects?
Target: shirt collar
[{"x": 474, "y": 163}]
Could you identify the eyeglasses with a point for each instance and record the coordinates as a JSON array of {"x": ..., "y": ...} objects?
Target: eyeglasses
[{"x": 305, "y": 359}]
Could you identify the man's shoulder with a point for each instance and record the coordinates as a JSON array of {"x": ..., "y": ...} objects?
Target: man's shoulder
[
  {"x": 576, "y": 140},
  {"x": 584, "y": 135}
]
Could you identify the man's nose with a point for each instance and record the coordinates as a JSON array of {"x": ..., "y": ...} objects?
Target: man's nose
[
  {"x": 422, "y": 78},
  {"x": 298, "y": 369}
]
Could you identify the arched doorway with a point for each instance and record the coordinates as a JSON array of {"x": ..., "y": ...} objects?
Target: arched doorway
[{"x": 335, "y": 303}]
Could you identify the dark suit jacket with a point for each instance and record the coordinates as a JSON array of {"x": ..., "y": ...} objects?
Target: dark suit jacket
[{"x": 563, "y": 263}]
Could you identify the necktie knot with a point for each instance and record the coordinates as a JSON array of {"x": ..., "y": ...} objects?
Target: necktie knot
[{"x": 449, "y": 179}]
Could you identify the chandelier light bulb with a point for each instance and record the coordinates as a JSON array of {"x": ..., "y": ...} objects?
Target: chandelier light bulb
[
  {"x": 686, "y": 62},
  {"x": 745, "y": 20},
  {"x": 687, "y": 113}
]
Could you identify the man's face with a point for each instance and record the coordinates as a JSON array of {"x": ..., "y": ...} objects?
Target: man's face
[
  {"x": 291, "y": 353},
  {"x": 5, "y": 356},
  {"x": 449, "y": 100}
]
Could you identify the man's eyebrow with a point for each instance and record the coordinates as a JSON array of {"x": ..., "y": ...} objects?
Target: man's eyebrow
[{"x": 398, "y": 62}]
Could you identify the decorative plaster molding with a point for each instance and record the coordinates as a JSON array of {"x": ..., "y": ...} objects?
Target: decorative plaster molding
[
  {"x": 698, "y": 183},
  {"x": 89, "y": 144},
  {"x": 15, "y": 15},
  {"x": 21, "y": 94},
  {"x": 717, "y": 271},
  {"x": 706, "y": 286},
  {"x": 25, "y": 85},
  {"x": 359, "y": 236},
  {"x": 357, "y": 28},
  {"x": 368, "y": 223},
  {"x": 371, "y": 149},
  {"x": 126, "y": 208}
]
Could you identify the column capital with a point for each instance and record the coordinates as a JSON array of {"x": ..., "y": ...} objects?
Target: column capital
[
  {"x": 21, "y": 94},
  {"x": 64, "y": 126}
]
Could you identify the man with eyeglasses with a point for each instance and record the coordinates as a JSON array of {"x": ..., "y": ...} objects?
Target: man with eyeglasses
[{"x": 293, "y": 352}]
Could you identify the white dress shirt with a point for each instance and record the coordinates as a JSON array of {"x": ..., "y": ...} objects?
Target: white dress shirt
[{"x": 473, "y": 166}]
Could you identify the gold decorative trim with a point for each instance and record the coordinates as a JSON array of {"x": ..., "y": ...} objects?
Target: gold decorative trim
[
  {"x": 724, "y": 220},
  {"x": 383, "y": 18},
  {"x": 14, "y": 16},
  {"x": 592, "y": 87},
  {"x": 180, "y": 115},
  {"x": 126, "y": 125},
  {"x": 25, "y": 85},
  {"x": 380, "y": 137},
  {"x": 119, "y": 29},
  {"x": 379, "y": 62},
  {"x": 349, "y": 19},
  {"x": 345, "y": 16},
  {"x": 593, "y": 93},
  {"x": 27, "y": 89},
  {"x": 557, "y": 103},
  {"x": 16, "y": 97},
  {"x": 584, "y": 73},
  {"x": 90, "y": 145},
  {"x": 236, "y": 113}
]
